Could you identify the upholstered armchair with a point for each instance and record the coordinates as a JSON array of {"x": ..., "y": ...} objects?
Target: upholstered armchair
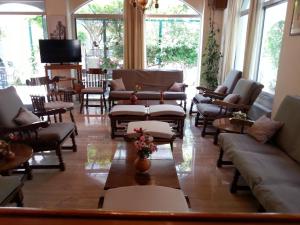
[
  {"x": 220, "y": 92},
  {"x": 241, "y": 99},
  {"x": 40, "y": 135}
]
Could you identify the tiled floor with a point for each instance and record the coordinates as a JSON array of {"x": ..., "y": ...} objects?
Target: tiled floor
[{"x": 81, "y": 185}]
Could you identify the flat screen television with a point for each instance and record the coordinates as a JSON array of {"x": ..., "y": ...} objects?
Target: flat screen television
[{"x": 60, "y": 51}]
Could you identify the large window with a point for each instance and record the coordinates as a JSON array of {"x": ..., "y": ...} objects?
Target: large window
[
  {"x": 242, "y": 34},
  {"x": 172, "y": 38},
  {"x": 270, "y": 45},
  {"x": 21, "y": 26},
  {"x": 99, "y": 27}
]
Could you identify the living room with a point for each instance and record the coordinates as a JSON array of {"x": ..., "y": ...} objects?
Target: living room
[{"x": 207, "y": 187}]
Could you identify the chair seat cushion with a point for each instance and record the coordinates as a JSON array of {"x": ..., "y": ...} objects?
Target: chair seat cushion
[
  {"x": 54, "y": 132},
  {"x": 156, "y": 129},
  {"x": 199, "y": 98},
  {"x": 92, "y": 90},
  {"x": 209, "y": 110},
  {"x": 130, "y": 110},
  {"x": 166, "y": 109},
  {"x": 58, "y": 105},
  {"x": 145, "y": 198}
]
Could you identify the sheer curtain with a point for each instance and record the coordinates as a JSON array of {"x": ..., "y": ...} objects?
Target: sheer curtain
[
  {"x": 254, "y": 25},
  {"x": 133, "y": 37},
  {"x": 229, "y": 31}
]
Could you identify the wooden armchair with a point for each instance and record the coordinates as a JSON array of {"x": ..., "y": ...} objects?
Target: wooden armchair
[
  {"x": 40, "y": 135},
  {"x": 245, "y": 91},
  {"x": 206, "y": 95},
  {"x": 55, "y": 103}
]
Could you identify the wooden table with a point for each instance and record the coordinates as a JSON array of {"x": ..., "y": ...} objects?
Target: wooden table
[
  {"x": 162, "y": 171},
  {"x": 22, "y": 154},
  {"x": 225, "y": 125}
]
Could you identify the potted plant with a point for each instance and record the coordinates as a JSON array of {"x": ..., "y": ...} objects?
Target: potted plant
[{"x": 210, "y": 59}]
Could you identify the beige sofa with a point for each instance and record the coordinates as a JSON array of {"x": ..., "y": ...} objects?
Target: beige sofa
[
  {"x": 271, "y": 170},
  {"x": 152, "y": 82}
]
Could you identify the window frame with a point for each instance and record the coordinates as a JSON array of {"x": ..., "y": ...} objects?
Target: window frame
[{"x": 266, "y": 5}]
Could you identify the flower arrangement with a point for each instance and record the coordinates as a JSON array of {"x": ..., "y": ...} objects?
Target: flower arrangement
[
  {"x": 5, "y": 152},
  {"x": 239, "y": 115},
  {"x": 137, "y": 88},
  {"x": 144, "y": 144}
]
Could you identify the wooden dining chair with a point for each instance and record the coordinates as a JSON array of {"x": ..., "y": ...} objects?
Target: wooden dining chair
[{"x": 94, "y": 82}]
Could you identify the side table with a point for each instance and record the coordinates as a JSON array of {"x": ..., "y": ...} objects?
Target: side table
[
  {"x": 230, "y": 125},
  {"x": 22, "y": 154}
]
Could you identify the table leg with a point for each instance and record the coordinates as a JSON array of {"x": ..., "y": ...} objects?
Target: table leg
[
  {"x": 216, "y": 136},
  {"x": 28, "y": 171}
]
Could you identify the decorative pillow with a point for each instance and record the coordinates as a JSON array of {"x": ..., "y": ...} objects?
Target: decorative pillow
[
  {"x": 221, "y": 89},
  {"x": 25, "y": 117},
  {"x": 264, "y": 128},
  {"x": 177, "y": 87},
  {"x": 117, "y": 85},
  {"x": 232, "y": 98}
]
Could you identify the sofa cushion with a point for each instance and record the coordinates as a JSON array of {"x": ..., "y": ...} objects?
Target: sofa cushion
[
  {"x": 150, "y": 80},
  {"x": 120, "y": 95},
  {"x": 132, "y": 110},
  {"x": 148, "y": 95},
  {"x": 282, "y": 197},
  {"x": 177, "y": 87},
  {"x": 9, "y": 112},
  {"x": 221, "y": 89},
  {"x": 259, "y": 163},
  {"x": 117, "y": 85},
  {"x": 288, "y": 138},
  {"x": 25, "y": 117},
  {"x": 232, "y": 98},
  {"x": 264, "y": 128},
  {"x": 166, "y": 109}
]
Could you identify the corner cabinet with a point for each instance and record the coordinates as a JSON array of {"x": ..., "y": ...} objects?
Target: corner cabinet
[{"x": 75, "y": 81}]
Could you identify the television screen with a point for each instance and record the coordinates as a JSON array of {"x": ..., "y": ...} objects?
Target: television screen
[{"x": 60, "y": 51}]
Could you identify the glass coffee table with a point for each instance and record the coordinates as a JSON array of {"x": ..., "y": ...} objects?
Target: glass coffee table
[{"x": 122, "y": 171}]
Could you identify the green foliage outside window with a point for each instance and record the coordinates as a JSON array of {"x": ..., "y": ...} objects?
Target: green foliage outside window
[{"x": 274, "y": 40}]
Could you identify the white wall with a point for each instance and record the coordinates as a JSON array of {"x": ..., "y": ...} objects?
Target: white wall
[{"x": 288, "y": 80}]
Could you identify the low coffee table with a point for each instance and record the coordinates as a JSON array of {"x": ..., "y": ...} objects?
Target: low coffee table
[
  {"x": 22, "y": 154},
  {"x": 162, "y": 171}
]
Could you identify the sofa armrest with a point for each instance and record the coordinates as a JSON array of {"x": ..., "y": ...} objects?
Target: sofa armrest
[{"x": 231, "y": 105}]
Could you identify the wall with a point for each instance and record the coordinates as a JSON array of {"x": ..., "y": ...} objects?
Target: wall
[{"x": 288, "y": 80}]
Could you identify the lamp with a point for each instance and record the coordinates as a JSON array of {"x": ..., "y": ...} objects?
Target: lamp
[{"x": 144, "y": 4}]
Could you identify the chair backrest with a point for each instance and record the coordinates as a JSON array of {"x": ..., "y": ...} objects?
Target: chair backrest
[
  {"x": 248, "y": 90},
  {"x": 231, "y": 80},
  {"x": 95, "y": 77},
  {"x": 10, "y": 104}
]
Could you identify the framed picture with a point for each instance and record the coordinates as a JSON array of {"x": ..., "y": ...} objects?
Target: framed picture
[
  {"x": 57, "y": 27},
  {"x": 295, "y": 26}
]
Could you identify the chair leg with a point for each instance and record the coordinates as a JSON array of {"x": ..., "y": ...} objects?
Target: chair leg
[
  {"x": 222, "y": 162},
  {"x": 74, "y": 146},
  {"x": 104, "y": 100},
  {"x": 60, "y": 159},
  {"x": 19, "y": 198},
  {"x": 191, "y": 108},
  {"x": 73, "y": 120},
  {"x": 197, "y": 119},
  {"x": 101, "y": 104},
  {"x": 233, "y": 186},
  {"x": 203, "y": 133},
  {"x": 87, "y": 101},
  {"x": 81, "y": 102}
]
